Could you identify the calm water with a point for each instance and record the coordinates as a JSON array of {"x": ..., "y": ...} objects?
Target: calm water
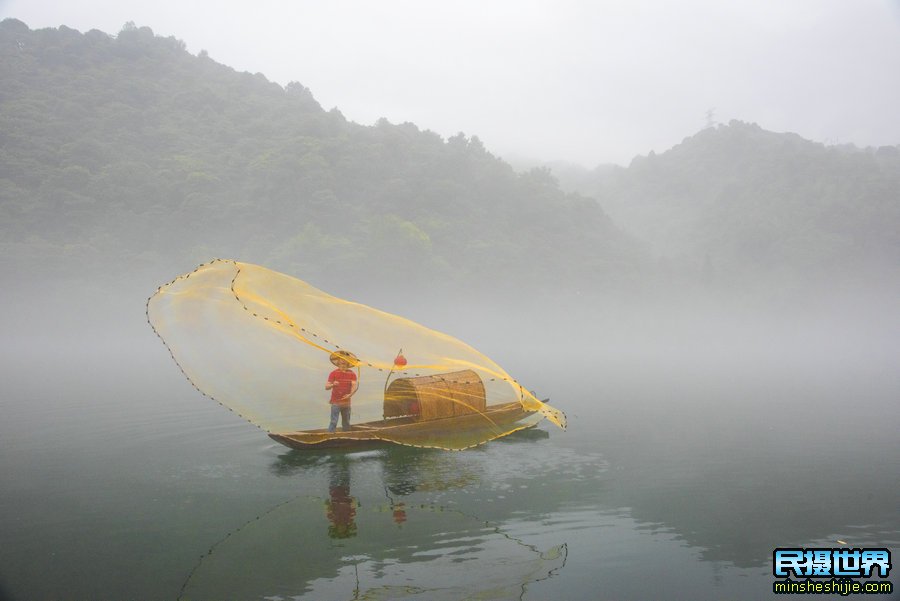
[{"x": 119, "y": 481}]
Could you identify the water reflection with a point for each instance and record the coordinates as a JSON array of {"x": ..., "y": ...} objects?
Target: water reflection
[
  {"x": 644, "y": 488},
  {"x": 737, "y": 490},
  {"x": 386, "y": 538},
  {"x": 707, "y": 504},
  {"x": 341, "y": 507}
]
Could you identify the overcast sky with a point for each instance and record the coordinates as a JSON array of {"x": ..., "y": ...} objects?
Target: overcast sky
[{"x": 583, "y": 81}]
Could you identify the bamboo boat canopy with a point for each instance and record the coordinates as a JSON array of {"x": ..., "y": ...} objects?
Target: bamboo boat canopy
[{"x": 261, "y": 343}]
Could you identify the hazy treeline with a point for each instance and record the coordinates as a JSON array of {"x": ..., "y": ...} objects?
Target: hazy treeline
[
  {"x": 127, "y": 152},
  {"x": 739, "y": 204},
  {"x": 125, "y": 160}
]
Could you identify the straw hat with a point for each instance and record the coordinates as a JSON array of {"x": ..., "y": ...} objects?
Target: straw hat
[{"x": 346, "y": 356}]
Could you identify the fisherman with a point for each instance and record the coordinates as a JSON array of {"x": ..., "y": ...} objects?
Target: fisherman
[{"x": 343, "y": 384}]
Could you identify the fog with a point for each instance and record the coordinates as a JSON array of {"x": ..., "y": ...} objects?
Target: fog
[
  {"x": 585, "y": 82},
  {"x": 716, "y": 346},
  {"x": 588, "y": 83},
  {"x": 716, "y": 314},
  {"x": 713, "y": 413}
]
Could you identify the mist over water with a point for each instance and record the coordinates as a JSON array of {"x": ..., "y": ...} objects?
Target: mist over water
[
  {"x": 701, "y": 436},
  {"x": 718, "y": 321}
]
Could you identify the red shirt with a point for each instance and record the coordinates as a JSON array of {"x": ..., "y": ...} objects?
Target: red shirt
[{"x": 343, "y": 384}]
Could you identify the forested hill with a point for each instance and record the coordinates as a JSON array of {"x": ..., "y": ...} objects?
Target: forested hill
[
  {"x": 122, "y": 153},
  {"x": 737, "y": 202},
  {"x": 126, "y": 155}
]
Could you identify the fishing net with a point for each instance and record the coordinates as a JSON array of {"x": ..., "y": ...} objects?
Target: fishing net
[
  {"x": 428, "y": 554},
  {"x": 264, "y": 344}
]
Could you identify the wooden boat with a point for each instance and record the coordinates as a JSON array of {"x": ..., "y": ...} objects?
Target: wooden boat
[
  {"x": 426, "y": 411},
  {"x": 395, "y": 430}
]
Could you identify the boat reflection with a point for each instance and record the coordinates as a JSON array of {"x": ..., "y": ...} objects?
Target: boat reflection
[{"x": 382, "y": 541}]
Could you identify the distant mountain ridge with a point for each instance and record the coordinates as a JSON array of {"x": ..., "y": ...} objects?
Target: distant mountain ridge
[
  {"x": 739, "y": 200},
  {"x": 123, "y": 153}
]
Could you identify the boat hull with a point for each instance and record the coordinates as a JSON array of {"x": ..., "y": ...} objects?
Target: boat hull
[{"x": 408, "y": 430}]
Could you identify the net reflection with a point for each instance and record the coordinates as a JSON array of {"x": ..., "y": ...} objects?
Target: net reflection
[{"x": 379, "y": 542}]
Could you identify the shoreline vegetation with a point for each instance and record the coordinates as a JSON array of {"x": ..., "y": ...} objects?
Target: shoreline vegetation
[{"x": 125, "y": 159}]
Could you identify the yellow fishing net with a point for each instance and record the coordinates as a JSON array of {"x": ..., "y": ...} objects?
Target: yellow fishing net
[{"x": 265, "y": 345}]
